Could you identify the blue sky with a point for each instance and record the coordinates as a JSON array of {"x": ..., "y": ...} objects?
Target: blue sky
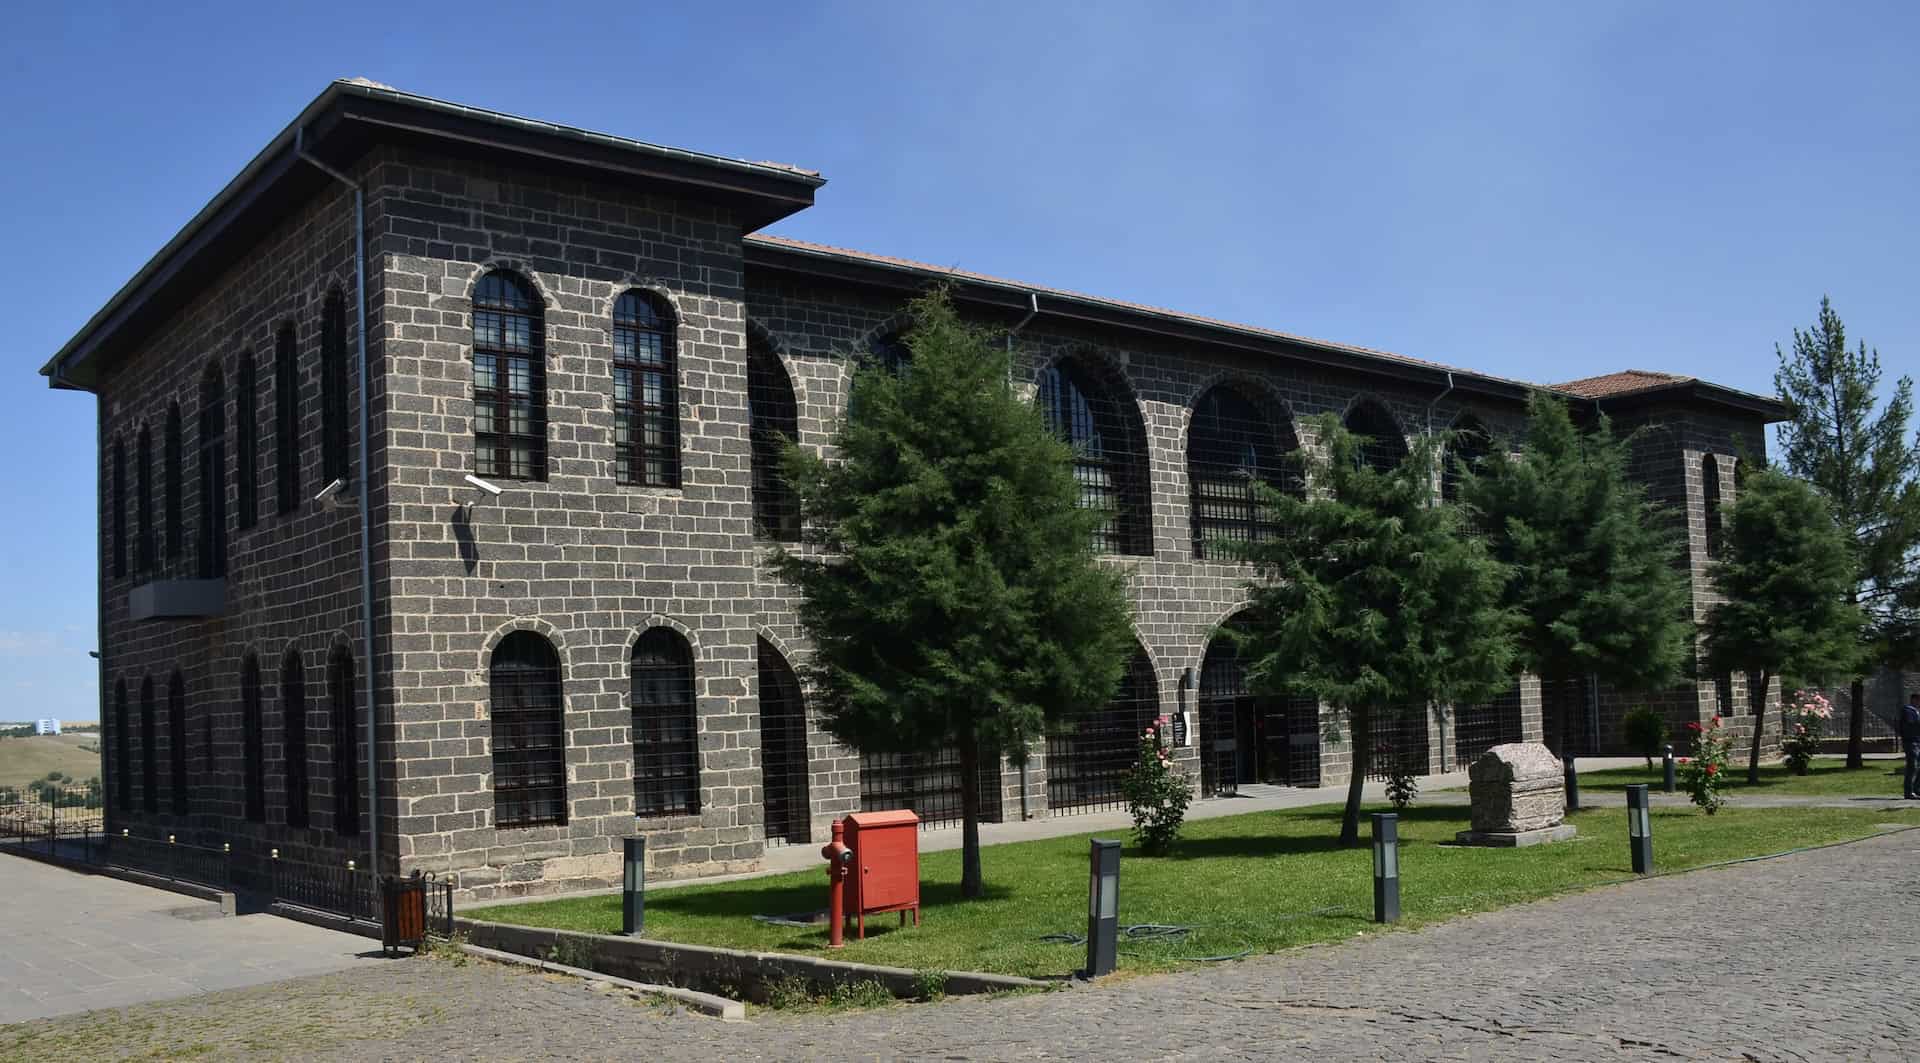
[{"x": 1543, "y": 191}]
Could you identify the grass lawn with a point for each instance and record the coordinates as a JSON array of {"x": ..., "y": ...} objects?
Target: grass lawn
[
  {"x": 1826, "y": 777},
  {"x": 1261, "y": 882},
  {"x": 23, "y": 760}
]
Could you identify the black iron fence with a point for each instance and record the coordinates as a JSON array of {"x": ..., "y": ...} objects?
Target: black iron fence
[
  {"x": 41, "y": 813},
  {"x": 168, "y": 858}
]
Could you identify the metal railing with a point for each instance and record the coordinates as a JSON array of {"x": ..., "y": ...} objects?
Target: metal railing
[
  {"x": 169, "y": 858},
  {"x": 41, "y": 813}
]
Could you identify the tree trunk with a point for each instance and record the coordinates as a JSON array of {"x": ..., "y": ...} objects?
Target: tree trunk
[
  {"x": 972, "y": 885},
  {"x": 1360, "y": 727},
  {"x": 1757, "y": 697},
  {"x": 1857, "y": 725}
]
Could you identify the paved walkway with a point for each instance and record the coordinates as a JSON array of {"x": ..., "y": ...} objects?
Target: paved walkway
[
  {"x": 74, "y": 942},
  {"x": 1809, "y": 956}
]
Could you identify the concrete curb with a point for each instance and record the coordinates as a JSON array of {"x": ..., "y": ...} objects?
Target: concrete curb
[{"x": 724, "y": 1008}]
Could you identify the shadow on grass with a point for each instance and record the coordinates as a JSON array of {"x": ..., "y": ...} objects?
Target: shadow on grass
[{"x": 746, "y": 901}]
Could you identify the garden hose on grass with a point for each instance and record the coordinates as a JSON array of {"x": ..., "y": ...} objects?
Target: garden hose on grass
[{"x": 1151, "y": 932}]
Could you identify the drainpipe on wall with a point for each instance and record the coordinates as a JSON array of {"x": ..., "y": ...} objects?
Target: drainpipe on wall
[
  {"x": 1441, "y": 713},
  {"x": 366, "y": 509},
  {"x": 1033, "y": 310}
]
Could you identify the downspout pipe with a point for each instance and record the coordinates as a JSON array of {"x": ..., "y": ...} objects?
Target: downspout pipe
[
  {"x": 1444, "y": 717},
  {"x": 366, "y": 508},
  {"x": 1033, "y": 311}
]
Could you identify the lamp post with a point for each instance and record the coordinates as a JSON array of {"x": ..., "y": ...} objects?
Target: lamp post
[
  {"x": 633, "y": 892},
  {"x": 1666, "y": 767},
  {"x": 1640, "y": 829},
  {"x": 1573, "y": 785},
  {"x": 1103, "y": 907},
  {"x": 1386, "y": 867}
]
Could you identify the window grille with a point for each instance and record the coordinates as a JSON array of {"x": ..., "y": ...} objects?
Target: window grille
[
  {"x": 783, "y": 750},
  {"x": 286, "y": 419},
  {"x": 927, "y": 783},
  {"x": 666, "y": 754},
  {"x": 1382, "y": 444},
  {"x": 529, "y": 733},
  {"x": 1097, "y": 418},
  {"x": 1088, "y": 761},
  {"x": 247, "y": 458},
  {"x": 346, "y": 756},
  {"x": 143, "y": 547},
  {"x": 775, "y": 422},
  {"x": 293, "y": 725},
  {"x": 1399, "y": 739},
  {"x": 119, "y": 508},
  {"x": 149, "y": 768},
  {"x": 174, "y": 488},
  {"x": 509, "y": 380},
  {"x": 252, "y": 742},
  {"x": 122, "y": 746},
  {"x": 1232, "y": 443},
  {"x": 1479, "y": 727},
  {"x": 1249, "y": 737},
  {"x": 646, "y": 403},
  {"x": 213, "y": 475},
  {"x": 1710, "y": 502},
  {"x": 333, "y": 388},
  {"x": 177, "y": 742}
]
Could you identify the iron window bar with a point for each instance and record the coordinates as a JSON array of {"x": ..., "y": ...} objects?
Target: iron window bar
[
  {"x": 509, "y": 380},
  {"x": 666, "y": 755},
  {"x": 646, "y": 404}
]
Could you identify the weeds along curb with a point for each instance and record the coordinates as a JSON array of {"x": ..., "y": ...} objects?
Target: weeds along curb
[{"x": 723, "y": 1008}]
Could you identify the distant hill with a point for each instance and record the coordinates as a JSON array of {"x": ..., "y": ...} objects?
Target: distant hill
[{"x": 23, "y": 760}]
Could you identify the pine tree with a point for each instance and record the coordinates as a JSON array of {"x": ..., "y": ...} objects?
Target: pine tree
[
  {"x": 1595, "y": 567},
  {"x": 1372, "y": 598},
  {"x": 1869, "y": 471},
  {"x": 953, "y": 598},
  {"x": 1784, "y": 571}
]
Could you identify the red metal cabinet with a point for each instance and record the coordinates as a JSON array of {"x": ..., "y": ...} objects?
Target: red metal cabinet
[{"x": 886, "y": 865}]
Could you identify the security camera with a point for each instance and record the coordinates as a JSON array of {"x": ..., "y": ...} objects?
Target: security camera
[
  {"x": 329, "y": 495},
  {"x": 483, "y": 485}
]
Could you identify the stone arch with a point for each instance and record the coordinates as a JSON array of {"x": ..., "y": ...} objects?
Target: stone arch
[
  {"x": 502, "y": 264},
  {"x": 500, "y": 631},
  {"x": 1092, "y": 405},
  {"x": 1371, "y": 416},
  {"x": 1248, "y": 736},
  {"x": 1235, "y": 435}
]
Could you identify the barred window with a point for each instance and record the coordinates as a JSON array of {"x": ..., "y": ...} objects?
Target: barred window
[
  {"x": 1231, "y": 443},
  {"x": 175, "y": 506},
  {"x": 774, "y": 421},
  {"x": 1468, "y": 449},
  {"x": 333, "y": 387},
  {"x": 293, "y": 726},
  {"x": 177, "y": 742},
  {"x": 509, "y": 380},
  {"x": 213, "y": 475},
  {"x": 149, "y": 765},
  {"x": 890, "y": 352},
  {"x": 122, "y": 746},
  {"x": 1099, "y": 420},
  {"x": 346, "y": 754},
  {"x": 247, "y": 459},
  {"x": 1382, "y": 444},
  {"x": 666, "y": 756},
  {"x": 646, "y": 403},
  {"x": 252, "y": 751},
  {"x": 286, "y": 419},
  {"x": 1089, "y": 756},
  {"x": 784, "y": 767},
  {"x": 119, "y": 508},
  {"x": 143, "y": 546},
  {"x": 529, "y": 733},
  {"x": 1710, "y": 501}
]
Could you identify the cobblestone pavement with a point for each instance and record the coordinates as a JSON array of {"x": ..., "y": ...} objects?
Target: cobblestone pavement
[{"x": 1808, "y": 956}]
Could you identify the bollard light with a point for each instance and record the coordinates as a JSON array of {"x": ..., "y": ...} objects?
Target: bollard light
[
  {"x": 633, "y": 889},
  {"x": 1666, "y": 767},
  {"x": 1386, "y": 867},
  {"x": 1573, "y": 786},
  {"x": 1640, "y": 829},
  {"x": 1103, "y": 907}
]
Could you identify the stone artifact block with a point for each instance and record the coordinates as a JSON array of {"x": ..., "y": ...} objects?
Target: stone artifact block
[{"x": 1519, "y": 797}]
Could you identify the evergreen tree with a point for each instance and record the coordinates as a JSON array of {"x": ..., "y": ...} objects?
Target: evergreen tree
[
  {"x": 1596, "y": 571},
  {"x": 1784, "y": 570},
  {"x": 955, "y": 601},
  {"x": 1372, "y": 598},
  {"x": 1868, "y": 469}
]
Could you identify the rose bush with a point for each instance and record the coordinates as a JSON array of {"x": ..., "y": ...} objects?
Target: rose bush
[
  {"x": 1705, "y": 772},
  {"x": 1158, "y": 795},
  {"x": 1804, "y": 718}
]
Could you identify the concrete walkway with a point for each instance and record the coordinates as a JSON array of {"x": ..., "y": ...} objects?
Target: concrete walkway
[{"x": 72, "y": 942}]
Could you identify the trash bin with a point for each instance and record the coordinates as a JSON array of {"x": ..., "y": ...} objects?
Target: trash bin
[{"x": 403, "y": 909}]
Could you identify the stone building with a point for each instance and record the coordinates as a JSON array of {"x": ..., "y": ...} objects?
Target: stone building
[{"x": 528, "y": 544}]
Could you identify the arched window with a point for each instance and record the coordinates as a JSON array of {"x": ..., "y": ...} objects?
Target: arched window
[
  {"x": 149, "y": 754},
  {"x": 529, "y": 733},
  {"x": 666, "y": 753},
  {"x": 646, "y": 402},
  {"x": 252, "y": 742},
  {"x": 1088, "y": 760},
  {"x": 293, "y": 726},
  {"x": 509, "y": 380},
  {"x": 1382, "y": 444},
  {"x": 247, "y": 479},
  {"x": 177, "y": 742},
  {"x": 333, "y": 388},
  {"x": 1099, "y": 420},
  {"x": 286, "y": 419},
  {"x": 346, "y": 747},
  {"x": 1710, "y": 501},
  {"x": 122, "y": 746},
  {"x": 774, "y": 422},
  {"x": 1231, "y": 443},
  {"x": 213, "y": 475},
  {"x": 890, "y": 352},
  {"x": 175, "y": 489},
  {"x": 784, "y": 765},
  {"x": 119, "y": 508},
  {"x": 1467, "y": 451},
  {"x": 143, "y": 547}
]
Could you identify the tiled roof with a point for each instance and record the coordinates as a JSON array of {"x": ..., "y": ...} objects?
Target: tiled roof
[
  {"x": 968, "y": 275},
  {"x": 1625, "y": 382}
]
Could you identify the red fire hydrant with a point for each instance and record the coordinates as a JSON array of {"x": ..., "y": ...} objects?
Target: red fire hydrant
[{"x": 839, "y": 863}]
